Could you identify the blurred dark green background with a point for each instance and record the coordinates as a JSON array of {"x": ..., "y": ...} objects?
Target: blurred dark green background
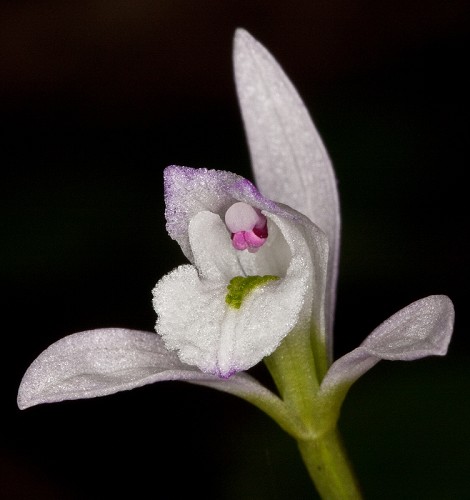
[{"x": 96, "y": 98}]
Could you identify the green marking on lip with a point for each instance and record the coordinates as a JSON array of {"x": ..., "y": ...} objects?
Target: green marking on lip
[{"x": 241, "y": 286}]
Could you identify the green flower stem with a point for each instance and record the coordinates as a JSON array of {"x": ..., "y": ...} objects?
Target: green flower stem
[
  {"x": 329, "y": 468},
  {"x": 296, "y": 367},
  {"x": 292, "y": 367},
  {"x": 322, "y": 362}
]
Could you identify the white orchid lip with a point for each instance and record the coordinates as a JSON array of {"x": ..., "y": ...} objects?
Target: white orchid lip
[
  {"x": 217, "y": 324},
  {"x": 203, "y": 208},
  {"x": 247, "y": 225}
]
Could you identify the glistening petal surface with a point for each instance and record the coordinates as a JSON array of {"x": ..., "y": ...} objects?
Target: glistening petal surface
[
  {"x": 194, "y": 318},
  {"x": 424, "y": 328},
  {"x": 105, "y": 361},
  {"x": 189, "y": 191},
  {"x": 289, "y": 160}
]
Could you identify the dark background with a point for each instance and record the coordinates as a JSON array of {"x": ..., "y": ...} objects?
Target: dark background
[{"x": 96, "y": 98}]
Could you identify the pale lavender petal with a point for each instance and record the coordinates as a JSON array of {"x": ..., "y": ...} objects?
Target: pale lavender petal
[
  {"x": 105, "y": 361},
  {"x": 290, "y": 162},
  {"x": 189, "y": 191},
  {"x": 96, "y": 363},
  {"x": 424, "y": 328}
]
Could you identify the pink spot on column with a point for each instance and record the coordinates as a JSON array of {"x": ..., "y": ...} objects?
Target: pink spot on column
[{"x": 247, "y": 225}]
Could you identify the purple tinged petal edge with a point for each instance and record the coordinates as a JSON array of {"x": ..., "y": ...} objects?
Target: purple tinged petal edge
[{"x": 191, "y": 190}]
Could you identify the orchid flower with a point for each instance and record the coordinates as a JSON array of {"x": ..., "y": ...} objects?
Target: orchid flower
[{"x": 260, "y": 286}]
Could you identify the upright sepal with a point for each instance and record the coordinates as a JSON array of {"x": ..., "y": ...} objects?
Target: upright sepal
[{"x": 289, "y": 160}]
